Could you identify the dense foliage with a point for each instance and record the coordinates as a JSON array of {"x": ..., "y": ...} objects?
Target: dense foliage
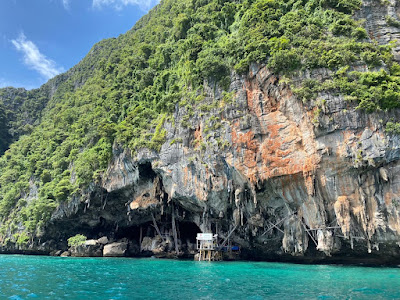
[
  {"x": 76, "y": 240},
  {"x": 20, "y": 111},
  {"x": 124, "y": 90},
  {"x": 5, "y": 137}
]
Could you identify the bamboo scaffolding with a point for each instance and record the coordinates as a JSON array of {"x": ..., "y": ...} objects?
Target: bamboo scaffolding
[
  {"x": 308, "y": 232},
  {"x": 226, "y": 239},
  {"x": 275, "y": 226}
]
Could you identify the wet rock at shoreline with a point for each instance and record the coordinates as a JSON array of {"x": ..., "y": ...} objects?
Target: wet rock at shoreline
[{"x": 115, "y": 249}]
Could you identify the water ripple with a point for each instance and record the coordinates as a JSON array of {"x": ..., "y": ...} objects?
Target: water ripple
[{"x": 29, "y": 277}]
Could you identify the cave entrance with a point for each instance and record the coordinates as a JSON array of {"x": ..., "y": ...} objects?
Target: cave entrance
[
  {"x": 188, "y": 231},
  {"x": 146, "y": 171},
  {"x": 312, "y": 247},
  {"x": 133, "y": 232}
]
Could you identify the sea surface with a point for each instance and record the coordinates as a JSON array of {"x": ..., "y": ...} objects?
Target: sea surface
[{"x": 37, "y": 277}]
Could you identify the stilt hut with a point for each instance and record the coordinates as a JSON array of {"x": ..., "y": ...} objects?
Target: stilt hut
[{"x": 207, "y": 245}]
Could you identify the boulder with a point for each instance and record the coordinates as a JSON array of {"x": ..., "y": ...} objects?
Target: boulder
[
  {"x": 90, "y": 243},
  {"x": 154, "y": 245},
  {"x": 65, "y": 254},
  {"x": 147, "y": 244},
  {"x": 103, "y": 240},
  {"x": 89, "y": 249},
  {"x": 56, "y": 252},
  {"x": 115, "y": 249}
]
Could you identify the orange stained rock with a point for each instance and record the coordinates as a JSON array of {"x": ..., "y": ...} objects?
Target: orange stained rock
[
  {"x": 309, "y": 181},
  {"x": 273, "y": 129},
  {"x": 278, "y": 149},
  {"x": 244, "y": 140},
  {"x": 258, "y": 99},
  {"x": 249, "y": 159},
  {"x": 310, "y": 164},
  {"x": 342, "y": 211},
  {"x": 198, "y": 136},
  {"x": 185, "y": 175},
  {"x": 253, "y": 176},
  {"x": 198, "y": 133},
  {"x": 143, "y": 201},
  {"x": 350, "y": 138},
  {"x": 250, "y": 98},
  {"x": 254, "y": 94},
  {"x": 280, "y": 153}
]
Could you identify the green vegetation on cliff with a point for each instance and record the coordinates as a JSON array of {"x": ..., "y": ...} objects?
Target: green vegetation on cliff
[
  {"x": 5, "y": 137},
  {"x": 20, "y": 111},
  {"x": 124, "y": 90}
]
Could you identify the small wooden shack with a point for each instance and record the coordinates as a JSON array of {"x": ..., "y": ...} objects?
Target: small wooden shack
[{"x": 207, "y": 245}]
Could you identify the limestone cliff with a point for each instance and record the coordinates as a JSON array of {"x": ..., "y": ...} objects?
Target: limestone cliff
[
  {"x": 286, "y": 179},
  {"x": 286, "y": 184}
]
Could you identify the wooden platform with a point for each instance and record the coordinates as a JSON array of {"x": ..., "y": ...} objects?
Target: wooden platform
[{"x": 209, "y": 255}]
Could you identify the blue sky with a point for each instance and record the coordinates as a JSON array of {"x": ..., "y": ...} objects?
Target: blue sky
[{"x": 41, "y": 38}]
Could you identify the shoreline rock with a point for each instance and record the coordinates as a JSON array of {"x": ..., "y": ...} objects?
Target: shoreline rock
[{"x": 117, "y": 249}]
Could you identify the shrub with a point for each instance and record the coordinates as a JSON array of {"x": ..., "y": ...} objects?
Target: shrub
[
  {"x": 392, "y": 128},
  {"x": 22, "y": 239},
  {"x": 77, "y": 240}
]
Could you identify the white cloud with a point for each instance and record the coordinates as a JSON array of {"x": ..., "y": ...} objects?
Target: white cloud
[
  {"x": 34, "y": 59},
  {"x": 120, "y": 4},
  {"x": 66, "y": 4}
]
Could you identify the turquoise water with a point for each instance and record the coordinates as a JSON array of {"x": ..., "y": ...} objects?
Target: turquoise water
[{"x": 34, "y": 277}]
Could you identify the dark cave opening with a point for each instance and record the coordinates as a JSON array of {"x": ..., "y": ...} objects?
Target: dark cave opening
[
  {"x": 188, "y": 231},
  {"x": 312, "y": 247},
  {"x": 146, "y": 171},
  {"x": 133, "y": 232}
]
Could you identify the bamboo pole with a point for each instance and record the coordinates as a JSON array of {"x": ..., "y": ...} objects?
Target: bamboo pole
[
  {"x": 140, "y": 238},
  {"x": 156, "y": 226},
  {"x": 174, "y": 229},
  {"x": 323, "y": 228}
]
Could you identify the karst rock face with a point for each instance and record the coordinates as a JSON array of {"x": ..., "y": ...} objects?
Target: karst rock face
[{"x": 283, "y": 178}]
